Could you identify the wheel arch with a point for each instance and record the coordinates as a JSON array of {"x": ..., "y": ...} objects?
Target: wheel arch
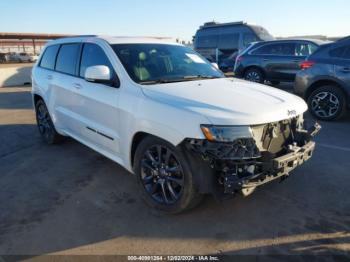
[
  {"x": 254, "y": 67},
  {"x": 136, "y": 140},
  {"x": 139, "y": 136},
  {"x": 36, "y": 98}
]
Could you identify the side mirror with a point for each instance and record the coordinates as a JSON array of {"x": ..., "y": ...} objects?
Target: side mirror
[
  {"x": 215, "y": 65},
  {"x": 98, "y": 74}
]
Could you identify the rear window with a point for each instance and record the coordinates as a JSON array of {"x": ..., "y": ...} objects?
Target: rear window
[
  {"x": 305, "y": 49},
  {"x": 347, "y": 53},
  {"x": 67, "y": 58},
  {"x": 49, "y": 57},
  {"x": 206, "y": 41},
  {"x": 338, "y": 52},
  {"x": 228, "y": 41}
]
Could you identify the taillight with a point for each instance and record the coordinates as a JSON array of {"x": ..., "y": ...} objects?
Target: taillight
[{"x": 306, "y": 65}]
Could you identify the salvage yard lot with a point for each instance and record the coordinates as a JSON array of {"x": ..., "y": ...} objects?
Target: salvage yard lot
[{"x": 67, "y": 199}]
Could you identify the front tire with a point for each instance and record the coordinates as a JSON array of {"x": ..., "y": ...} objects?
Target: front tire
[
  {"x": 254, "y": 75},
  {"x": 45, "y": 125},
  {"x": 164, "y": 177},
  {"x": 327, "y": 103}
]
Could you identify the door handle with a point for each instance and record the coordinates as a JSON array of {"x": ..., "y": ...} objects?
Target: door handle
[
  {"x": 77, "y": 86},
  {"x": 265, "y": 59},
  {"x": 297, "y": 61},
  {"x": 346, "y": 70},
  {"x": 49, "y": 77}
]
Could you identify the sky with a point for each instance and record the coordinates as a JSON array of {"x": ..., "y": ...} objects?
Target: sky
[{"x": 173, "y": 18}]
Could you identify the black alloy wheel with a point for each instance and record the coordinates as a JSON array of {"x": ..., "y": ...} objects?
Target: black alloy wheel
[
  {"x": 45, "y": 124},
  {"x": 162, "y": 175},
  {"x": 165, "y": 176},
  {"x": 254, "y": 75}
]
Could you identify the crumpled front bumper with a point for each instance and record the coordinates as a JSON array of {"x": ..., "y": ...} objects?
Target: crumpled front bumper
[
  {"x": 242, "y": 171},
  {"x": 280, "y": 166}
]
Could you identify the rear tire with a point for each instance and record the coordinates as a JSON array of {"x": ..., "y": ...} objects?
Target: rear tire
[
  {"x": 327, "y": 103},
  {"x": 45, "y": 125},
  {"x": 254, "y": 75},
  {"x": 164, "y": 177}
]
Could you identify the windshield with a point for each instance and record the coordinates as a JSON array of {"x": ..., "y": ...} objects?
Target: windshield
[
  {"x": 164, "y": 63},
  {"x": 262, "y": 33}
]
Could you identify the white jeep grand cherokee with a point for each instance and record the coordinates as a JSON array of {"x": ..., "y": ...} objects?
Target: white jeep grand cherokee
[{"x": 169, "y": 116}]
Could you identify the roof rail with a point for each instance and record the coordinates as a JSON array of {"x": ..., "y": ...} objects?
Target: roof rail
[
  {"x": 76, "y": 36},
  {"x": 216, "y": 24}
]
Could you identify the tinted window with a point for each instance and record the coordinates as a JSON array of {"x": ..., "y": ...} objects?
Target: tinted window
[
  {"x": 228, "y": 41},
  {"x": 276, "y": 49},
  {"x": 338, "y": 52},
  {"x": 305, "y": 49},
  {"x": 207, "y": 41},
  {"x": 67, "y": 58},
  {"x": 49, "y": 57},
  {"x": 248, "y": 38},
  {"x": 347, "y": 53},
  {"x": 93, "y": 55}
]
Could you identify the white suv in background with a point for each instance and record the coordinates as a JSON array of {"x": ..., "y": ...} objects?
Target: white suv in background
[{"x": 170, "y": 117}]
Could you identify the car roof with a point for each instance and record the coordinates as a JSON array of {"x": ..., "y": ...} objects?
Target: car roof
[
  {"x": 116, "y": 39},
  {"x": 316, "y": 41}
]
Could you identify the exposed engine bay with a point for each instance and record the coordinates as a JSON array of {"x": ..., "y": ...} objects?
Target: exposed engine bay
[{"x": 273, "y": 151}]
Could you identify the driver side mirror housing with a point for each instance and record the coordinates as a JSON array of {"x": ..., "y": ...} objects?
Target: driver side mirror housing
[{"x": 100, "y": 74}]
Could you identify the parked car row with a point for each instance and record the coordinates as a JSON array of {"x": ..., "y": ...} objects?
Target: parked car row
[
  {"x": 320, "y": 69},
  {"x": 18, "y": 57},
  {"x": 275, "y": 61}
]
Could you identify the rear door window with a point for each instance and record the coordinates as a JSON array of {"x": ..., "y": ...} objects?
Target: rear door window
[
  {"x": 67, "y": 58},
  {"x": 93, "y": 55},
  {"x": 283, "y": 49},
  {"x": 49, "y": 57}
]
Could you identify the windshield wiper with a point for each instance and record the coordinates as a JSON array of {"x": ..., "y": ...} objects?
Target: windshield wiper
[
  {"x": 156, "y": 81},
  {"x": 185, "y": 78},
  {"x": 200, "y": 77}
]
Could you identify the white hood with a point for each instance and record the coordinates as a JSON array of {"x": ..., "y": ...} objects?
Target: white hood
[{"x": 229, "y": 101}]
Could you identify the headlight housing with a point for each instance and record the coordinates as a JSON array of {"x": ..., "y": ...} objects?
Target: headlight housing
[{"x": 226, "y": 133}]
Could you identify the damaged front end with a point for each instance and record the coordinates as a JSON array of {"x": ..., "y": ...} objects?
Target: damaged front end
[{"x": 272, "y": 151}]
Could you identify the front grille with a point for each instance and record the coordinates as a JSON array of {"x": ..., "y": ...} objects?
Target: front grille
[{"x": 274, "y": 137}]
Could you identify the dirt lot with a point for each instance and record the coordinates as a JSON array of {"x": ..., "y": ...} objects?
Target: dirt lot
[
  {"x": 8, "y": 65},
  {"x": 68, "y": 199}
]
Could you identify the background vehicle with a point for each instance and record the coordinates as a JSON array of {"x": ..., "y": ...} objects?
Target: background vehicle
[
  {"x": 164, "y": 113},
  {"x": 24, "y": 57},
  {"x": 19, "y": 57},
  {"x": 3, "y": 58},
  {"x": 324, "y": 80},
  {"x": 33, "y": 57},
  {"x": 275, "y": 61},
  {"x": 221, "y": 42}
]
